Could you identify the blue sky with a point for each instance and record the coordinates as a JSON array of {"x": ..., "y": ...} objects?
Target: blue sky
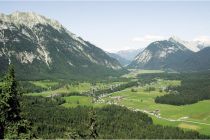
[{"x": 123, "y": 25}]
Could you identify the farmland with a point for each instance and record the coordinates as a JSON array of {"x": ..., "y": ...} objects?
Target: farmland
[
  {"x": 195, "y": 116},
  {"x": 70, "y": 88},
  {"x": 137, "y": 98},
  {"x": 133, "y": 72}
]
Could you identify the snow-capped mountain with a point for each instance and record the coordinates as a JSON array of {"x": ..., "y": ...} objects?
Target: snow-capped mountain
[
  {"x": 194, "y": 46},
  {"x": 164, "y": 54},
  {"x": 40, "y": 46}
]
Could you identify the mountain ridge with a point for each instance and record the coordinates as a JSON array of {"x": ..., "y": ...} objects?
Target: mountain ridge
[
  {"x": 194, "y": 46},
  {"x": 45, "y": 48},
  {"x": 199, "y": 61},
  {"x": 161, "y": 55}
]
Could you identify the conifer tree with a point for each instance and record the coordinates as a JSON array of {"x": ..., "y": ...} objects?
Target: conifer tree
[
  {"x": 11, "y": 123},
  {"x": 12, "y": 96},
  {"x": 9, "y": 104},
  {"x": 2, "y": 117},
  {"x": 93, "y": 124}
]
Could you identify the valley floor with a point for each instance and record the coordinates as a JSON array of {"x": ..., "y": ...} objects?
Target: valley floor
[
  {"x": 137, "y": 98},
  {"x": 195, "y": 116}
]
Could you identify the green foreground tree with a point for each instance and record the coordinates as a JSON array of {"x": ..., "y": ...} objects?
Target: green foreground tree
[
  {"x": 12, "y": 125},
  {"x": 93, "y": 134},
  {"x": 89, "y": 129}
]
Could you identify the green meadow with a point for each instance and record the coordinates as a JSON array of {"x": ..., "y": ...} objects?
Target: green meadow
[
  {"x": 44, "y": 83},
  {"x": 195, "y": 116},
  {"x": 134, "y": 72},
  {"x": 70, "y": 88},
  {"x": 74, "y": 101},
  {"x": 189, "y": 117}
]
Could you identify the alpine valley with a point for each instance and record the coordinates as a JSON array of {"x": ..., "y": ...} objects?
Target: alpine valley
[{"x": 56, "y": 85}]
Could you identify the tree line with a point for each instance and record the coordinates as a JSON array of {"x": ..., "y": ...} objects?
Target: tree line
[
  {"x": 194, "y": 87},
  {"x": 111, "y": 122}
]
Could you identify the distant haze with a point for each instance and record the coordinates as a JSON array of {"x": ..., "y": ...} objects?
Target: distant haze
[{"x": 129, "y": 54}]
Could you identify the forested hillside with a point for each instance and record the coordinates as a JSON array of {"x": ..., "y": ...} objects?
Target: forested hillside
[
  {"x": 52, "y": 121},
  {"x": 194, "y": 87}
]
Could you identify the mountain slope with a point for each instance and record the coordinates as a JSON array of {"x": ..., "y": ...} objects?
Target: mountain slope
[
  {"x": 199, "y": 61},
  {"x": 123, "y": 61},
  {"x": 42, "y": 48},
  {"x": 161, "y": 55},
  {"x": 194, "y": 46}
]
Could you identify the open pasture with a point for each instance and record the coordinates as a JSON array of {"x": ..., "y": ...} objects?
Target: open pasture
[
  {"x": 195, "y": 116},
  {"x": 74, "y": 101},
  {"x": 135, "y": 72},
  {"x": 44, "y": 83},
  {"x": 71, "y": 88}
]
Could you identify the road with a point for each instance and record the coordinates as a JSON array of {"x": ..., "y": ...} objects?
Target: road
[{"x": 168, "y": 119}]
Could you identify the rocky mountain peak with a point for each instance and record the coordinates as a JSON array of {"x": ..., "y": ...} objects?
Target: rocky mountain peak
[
  {"x": 29, "y": 19},
  {"x": 36, "y": 43},
  {"x": 161, "y": 54},
  {"x": 194, "y": 46}
]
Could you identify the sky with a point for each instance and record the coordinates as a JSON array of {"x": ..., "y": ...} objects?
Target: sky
[{"x": 121, "y": 25}]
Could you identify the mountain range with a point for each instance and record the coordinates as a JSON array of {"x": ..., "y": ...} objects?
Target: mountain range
[
  {"x": 40, "y": 47},
  {"x": 199, "y": 61},
  {"x": 128, "y": 54},
  {"x": 173, "y": 54},
  {"x": 123, "y": 61},
  {"x": 125, "y": 56},
  {"x": 194, "y": 46}
]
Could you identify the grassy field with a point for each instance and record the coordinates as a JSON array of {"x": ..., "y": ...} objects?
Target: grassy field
[
  {"x": 44, "y": 84},
  {"x": 195, "y": 116},
  {"x": 70, "y": 88},
  {"x": 134, "y": 72},
  {"x": 74, "y": 101}
]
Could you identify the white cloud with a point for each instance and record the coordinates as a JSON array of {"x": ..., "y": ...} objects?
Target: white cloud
[
  {"x": 202, "y": 38},
  {"x": 148, "y": 38}
]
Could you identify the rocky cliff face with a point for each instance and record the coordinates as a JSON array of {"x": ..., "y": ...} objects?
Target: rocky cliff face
[{"x": 43, "y": 48}]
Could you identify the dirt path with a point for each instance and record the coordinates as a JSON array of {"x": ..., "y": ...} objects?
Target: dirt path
[{"x": 167, "y": 119}]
